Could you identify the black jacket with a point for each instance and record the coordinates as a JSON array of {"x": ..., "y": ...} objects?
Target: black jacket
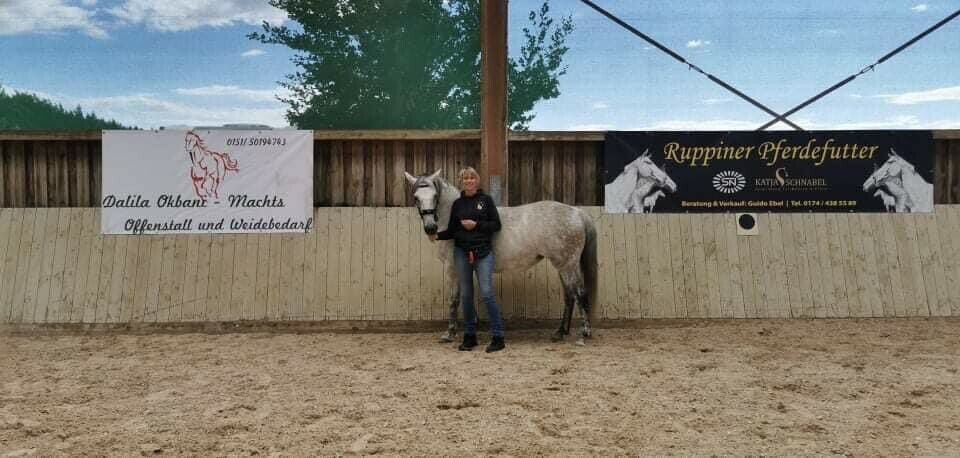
[{"x": 480, "y": 208}]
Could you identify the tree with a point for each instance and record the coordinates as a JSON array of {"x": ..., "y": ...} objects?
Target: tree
[
  {"x": 406, "y": 63},
  {"x": 25, "y": 111}
]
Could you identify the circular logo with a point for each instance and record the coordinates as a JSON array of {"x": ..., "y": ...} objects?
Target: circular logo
[{"x": 729, "y": 182}]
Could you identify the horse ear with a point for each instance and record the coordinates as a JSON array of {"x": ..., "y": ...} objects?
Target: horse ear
[
  {"x": 410, "y": 178},
  {"x": 893, "y": 153},
  {"x": 436, "y": 174},
  {"x": 646, "y": 153}
]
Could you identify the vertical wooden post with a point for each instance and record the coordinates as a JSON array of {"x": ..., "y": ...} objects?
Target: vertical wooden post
[{"x": 493, "y": 98}]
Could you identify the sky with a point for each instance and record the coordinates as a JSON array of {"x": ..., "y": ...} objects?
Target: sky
[{"x": 187, "y": 62}]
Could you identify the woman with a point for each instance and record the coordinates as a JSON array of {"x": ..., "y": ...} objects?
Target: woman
[{"x": 473, "y": 221}]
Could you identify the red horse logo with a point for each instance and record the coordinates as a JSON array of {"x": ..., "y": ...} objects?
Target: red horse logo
[{"x": 209, "y": 168}]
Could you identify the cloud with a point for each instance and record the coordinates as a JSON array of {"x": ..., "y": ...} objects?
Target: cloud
[
  {"x": 712, "y": 124},
  {"x": 697, "y": 43},
  {"x": 253, "y": 53},
  {"x": 181, "y": 15},
  {"x": 921, "y": 7},
  {"x": 716, "y": 101},
  {"x": 588, "y": 127},
  {"x": 945, "y": 94},
  {"x": 236, "y": 92},
  {"x": 600, "y": 106},
  {"x": 32, "y": 16},
  {"x": 148, "y": 111}
]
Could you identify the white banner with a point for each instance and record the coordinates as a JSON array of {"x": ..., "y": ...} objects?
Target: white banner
[{"x": 219, "y": 181}]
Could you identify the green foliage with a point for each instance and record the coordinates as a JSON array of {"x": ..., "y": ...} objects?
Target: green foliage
[
  {"x": 402, "y": 64},
  {"x": 24, "y": 111}
]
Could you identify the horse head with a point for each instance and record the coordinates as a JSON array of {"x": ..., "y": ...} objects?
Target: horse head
[
  {"x": 650, "y": 178},
  {"x": 192, "y": 143},
  {"x": 426, "y": 196},
  {"x": 892, "y": 169}
]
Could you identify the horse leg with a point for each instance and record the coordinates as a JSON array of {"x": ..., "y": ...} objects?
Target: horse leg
[
  {"x": 572, "y": 284},
  {"x": 585, "y": 330},
  {"x": 565, "y": 321},
  {"x": 453, "y": 298}
]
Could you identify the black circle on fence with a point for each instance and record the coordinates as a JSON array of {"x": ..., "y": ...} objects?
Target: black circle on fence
[{"x": 746, "y": 221}]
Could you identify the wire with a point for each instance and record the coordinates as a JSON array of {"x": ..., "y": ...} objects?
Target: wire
[
  {"x": 777, "y": 117},
  {"x": 866, "y": 69}
]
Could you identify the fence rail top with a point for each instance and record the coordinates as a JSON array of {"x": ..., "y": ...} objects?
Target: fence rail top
[{"x": 408, "y": 134}]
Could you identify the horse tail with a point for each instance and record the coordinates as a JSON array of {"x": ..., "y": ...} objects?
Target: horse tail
[{"x": 588, "y": 263}]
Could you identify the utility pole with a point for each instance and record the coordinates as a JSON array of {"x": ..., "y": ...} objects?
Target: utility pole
[{"x": 493, "y": 98}]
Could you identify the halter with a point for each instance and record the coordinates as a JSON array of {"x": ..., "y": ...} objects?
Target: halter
[{"x": 422, "y": 184}]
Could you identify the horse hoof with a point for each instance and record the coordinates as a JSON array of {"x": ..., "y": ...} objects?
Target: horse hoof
[
  {"x": 581, "y": 342},
  {"x": 448, "y": 337},
  {"x": 556, "y": 337}
]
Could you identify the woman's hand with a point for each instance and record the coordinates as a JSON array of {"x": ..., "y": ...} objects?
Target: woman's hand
[
  {"x": 433, "y": 237},
  {"x": 468, "y": 224}
]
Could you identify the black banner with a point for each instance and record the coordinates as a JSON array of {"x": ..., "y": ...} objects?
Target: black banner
[{"x": 821, "y": 171}]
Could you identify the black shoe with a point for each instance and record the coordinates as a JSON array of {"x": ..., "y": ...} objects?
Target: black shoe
[
  {"x": 496, "y": 345},
  {"x": 469, "y": 341}
]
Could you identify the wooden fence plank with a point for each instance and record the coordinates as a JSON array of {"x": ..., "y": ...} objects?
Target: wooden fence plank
[
  {"x": 247, "y": 304},
  {"x": 379, "y": 257},
  {"x": 569, "y": 175},
  {"x": 275, "y": 292},
  {"x": 260, "y": 305},
  {"x": 941, "y": 265},
  {"x": 16, "y": 172},
  {"x": 18, "y": 264},
  {"x": 701, "y": 280},
  {"x": 591, "y": 172},
  {"x": 932, "y": 265},
  {"x": 113, "y": 301},
  {"x": 322, "y": 235},
  {"x": 309, "y": 292},
  {"x": 397, "y": 190},
  {"x": 909, "y": 278},
  {"x": 688, "y": 256},
  {"x": 754, "y": 250},
  {"x": 949, "y": 237},
  {"x": 734, "y": 267},
  {"x": 48, "y": 243},
  {"x": 10, "y": 221},
  {"x": 56, "y": 297},
  {"x": 131, "y": 265},
  {"x": 367, "y": 273},
  {"x": 632, "y": 302},
  {"x": 180, "y": 255},
  {"x": 378, "y": 196},
  {"x": 337, "y": 171},
  {"x": 101, "y": 295},
  {"x": 670, "y": 229},
  {"x": 335, "y": 230},
  {"x": 791, "y": 248},
  {"x": 644, "y": 239},
  {"x": 167, "y": 272},
  {"x": 390, "y": 302},
  {"x": 154, "y": 272}
]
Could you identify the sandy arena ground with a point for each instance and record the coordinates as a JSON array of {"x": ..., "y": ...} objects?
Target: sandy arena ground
[{"x": 751, "y": 387}]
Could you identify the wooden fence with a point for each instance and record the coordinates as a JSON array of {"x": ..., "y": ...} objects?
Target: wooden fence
[
  {"x": 365, "y": 169},
  {"x": 376, "y": 264}
]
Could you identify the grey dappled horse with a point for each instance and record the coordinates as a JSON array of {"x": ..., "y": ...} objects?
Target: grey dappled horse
[
  {"x": 899, "y": 179},
  {"x": 563, "y": 234}
]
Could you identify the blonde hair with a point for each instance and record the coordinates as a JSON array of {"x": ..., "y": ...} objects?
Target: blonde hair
[{"x": 469, "y": 171}]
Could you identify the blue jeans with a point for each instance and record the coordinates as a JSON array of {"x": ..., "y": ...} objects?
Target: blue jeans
[{"x": 484, "y": 269}]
